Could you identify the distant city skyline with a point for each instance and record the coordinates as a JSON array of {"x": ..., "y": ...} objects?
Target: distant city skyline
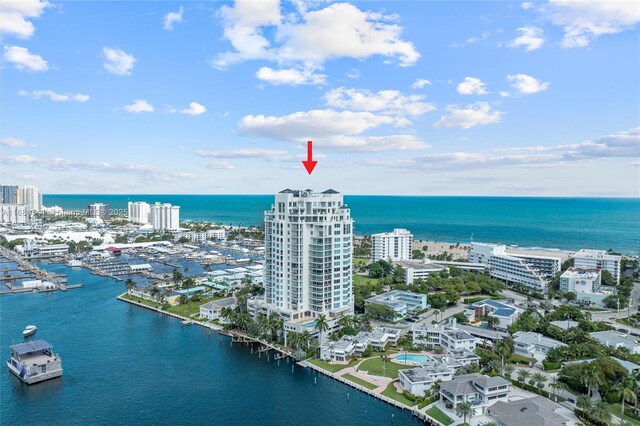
[{"x": 415, "y": 98}]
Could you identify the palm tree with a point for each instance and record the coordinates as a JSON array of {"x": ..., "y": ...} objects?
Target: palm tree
[
  {"x": 129, "y": 284},
  {"x": 154, "y": 292},
  {"x": 540, "y": 380},
  {"x": 464, "y": 409},
  {"x": 293, "y": 339},
  {"x": 592, "y": 379},
  {"x": 227, "y": 314},
  {"x": 436, "y": 313},
  {"x": 275, "y": 324},
  {"x": 345, "y": 321},
  {"x": 584, "y": 402},
  {"x": 306, "y": 338},
  {"x": 600, "y": 412},
  {"x": 263, "y": 323},
  {"x": 183, "y": 299},
  {"x": 508, "y": 370},
  {"x": 626, "y": 394},
  {"x": 523, "y": 375},
  {"x": 322, "y": 325},
  {"x": 504, "y": 348},
  {"x": 556, "y": 386},
  {"x": 243, "y": 319}
]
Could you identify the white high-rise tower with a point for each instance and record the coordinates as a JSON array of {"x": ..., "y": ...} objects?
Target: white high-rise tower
[
  {"x": 139, "y": 212},
  {"x": 308, "y": 258},
  {"x": 31, "y": 197}
]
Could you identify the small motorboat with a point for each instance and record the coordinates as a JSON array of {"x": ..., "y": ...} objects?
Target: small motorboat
[{"x": 29, "y": 330}]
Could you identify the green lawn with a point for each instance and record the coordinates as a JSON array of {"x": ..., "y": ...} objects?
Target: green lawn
[
  {"x": 190, "y": 308},
  {"x": 359, "y": 381},
  {"x": 392, "y": 393},
  {"x": 362, "y": 280},
  {"x": 359, "y": 262},
  {"x": 375, "y": 366},
  {"x": 139, "y": 300},
  {"x": 437, "y": 414},
  {"x": 615, "y": 410},
  {"x": 330, "y": 367}
]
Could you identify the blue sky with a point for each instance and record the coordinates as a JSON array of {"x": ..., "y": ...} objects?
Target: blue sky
[{"x": 434, "y": 98}]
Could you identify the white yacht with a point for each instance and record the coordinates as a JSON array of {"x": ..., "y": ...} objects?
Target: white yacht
[
  {"x": 34, "y": 362},
  {"x": 29, "y": 330}
]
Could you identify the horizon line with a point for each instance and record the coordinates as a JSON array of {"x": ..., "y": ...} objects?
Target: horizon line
[{"x": 359, "y": 195}]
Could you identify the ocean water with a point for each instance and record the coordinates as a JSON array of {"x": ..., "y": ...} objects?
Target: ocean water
[
  {"x": 563, "y": 223},
  {"x": 127, "y": 365}
]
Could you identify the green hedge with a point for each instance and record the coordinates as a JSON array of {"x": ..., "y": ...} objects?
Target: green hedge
[
  {"x": 429, "y": 400},
  {"x": 551, "y": 365},
  {"x": 411, "y": 397}
]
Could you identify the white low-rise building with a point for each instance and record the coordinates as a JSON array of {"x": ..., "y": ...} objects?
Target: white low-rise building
[
  {"x": 598, "y": 259},
  {"x": 586, "y": 284},
  {"x": 348, "y": 346},
  {"x": 401, "y": 303},
  {"x": 506, "y": 314},
  {"x": 615, "y": 339},
  {"x": 212, "y": 310},
  {"x": 419, "y": 381},
  {"x": 31, "y": 250},
  {"x": 535, "y": 345},
  {"x": 418, "y": 269},
  {"x": 478, "y": 390},
  {"x": 530, "y": 270},
  {"x": 448, "y": 337}
]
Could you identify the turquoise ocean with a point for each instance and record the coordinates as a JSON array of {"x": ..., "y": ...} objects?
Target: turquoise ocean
[{"x": 562, "y": 223}]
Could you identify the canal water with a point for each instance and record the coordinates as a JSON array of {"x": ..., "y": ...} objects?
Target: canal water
[{"x": 127, "y": 365}]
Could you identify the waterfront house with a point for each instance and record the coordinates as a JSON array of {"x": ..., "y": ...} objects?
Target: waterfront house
[
  {"x": 348, "y": 346},
  {"x": 419, "y": 380},
  {"x": 536, "y": 411},
  {"x": 211, "y": 310},
  {"x": 479, "y": 390}
]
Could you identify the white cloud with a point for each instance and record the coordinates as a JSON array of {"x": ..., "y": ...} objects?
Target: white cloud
[
  {"x": 371, "y": 143},
  {"x": 117, "y": 61},
  {"x": 386, "y": 101},
  {"x": 173, "y": 18},
  {"x": 13, "y": 142},
  {"x": 246, "y": 153},
  {"x": 219, "y": 165},
  {"x": 54, "y": 96},
  {"x": 531, "y": 38},
  {"x": 138, "y": 106},
  {"x": 305, "y": 40},
  {"x": 421, "y": 83},
  {"x": 305, "y": 125},
  {"x": 353, "y": 73},
  {"x": 584, "y": 21},
  {"x": 505, "y": 94},
  {"x": 194, "y": 109},
  {"x": 472, "y": 86},
  {"x": 526, "y": 5},
  {"x": 64, "y": 164},
  {"x": 290, "y": 76},
  {"x": 472, "y": 115},
  {"x": 15, "y": 16},
  {"x": 22, "y": 59},
  {"x": 526, "y": 85},
  {"x": 342, "y": 30},
  {"x": 624, "y": 144}
]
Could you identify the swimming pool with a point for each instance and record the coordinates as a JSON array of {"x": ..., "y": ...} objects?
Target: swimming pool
[{"x": 418, "y": 359}]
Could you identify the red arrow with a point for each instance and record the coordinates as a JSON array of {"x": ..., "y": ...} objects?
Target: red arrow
[{"x": 309, "y": 164}]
